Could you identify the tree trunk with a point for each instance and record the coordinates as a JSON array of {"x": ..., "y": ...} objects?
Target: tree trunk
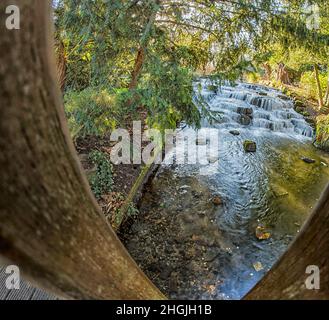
[
  {"x": 268, "y": 71},
  {"x": 61, "y": 64},
  {"x": 326, "y": 96},
  {"x": 140, "y": 59},
  {"x": 283, "y": 75},
  {"x": 318, "y": 85},
  {"x": 287, "y": 278},
  {"x": 137, "y": 68},
  {"x": 51, "y": 225}
]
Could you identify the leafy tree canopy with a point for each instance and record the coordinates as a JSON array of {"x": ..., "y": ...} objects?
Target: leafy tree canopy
[{"x": 152, "y": 49}]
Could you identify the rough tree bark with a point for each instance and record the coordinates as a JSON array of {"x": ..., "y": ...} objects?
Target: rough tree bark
[
  {"x": 318, "y": 85},
  {"x": 139, "y": 62},
  {"x": 326, "y": 96},
  {"x": 61, "y": 64},
  {"x": 268, "y": 71},
  {"x": 50, "y": 224},
  {"x": 283, "y": 74}
]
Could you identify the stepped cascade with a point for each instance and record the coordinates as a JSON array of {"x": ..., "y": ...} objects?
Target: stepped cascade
[{"x": 254, "y": 106}]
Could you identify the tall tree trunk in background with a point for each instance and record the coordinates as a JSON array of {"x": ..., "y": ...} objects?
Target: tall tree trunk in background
[
  {"x": 326, "y": 96},
  {"x": 283, "y": 74},
  {"x": 61, "y": 64},
  {"x": 318, "y": 85},
  {"x": 140, "y": 59},
  {"x": 137, "y": 68},
  {"x": 268, "y": 71},
  {"x": 50, "y": 224}
]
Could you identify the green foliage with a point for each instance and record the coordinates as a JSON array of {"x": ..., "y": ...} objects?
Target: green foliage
[
  {"x": 132, "y": 210},
  {"x": 253, "y": 77},
  {"x": 102, "y": 39},
  {"x": 322, "y": 132},
  {"x": 101, "y": 181},
  {"x": 300, "y": 60},
  {"x": 118, "y": 216},
  {"x": 92, "y": 111},
  {"x": 193, "y": 50},
  {"x": 308, "y": 82},
  {"x": 167, "y": 93}
]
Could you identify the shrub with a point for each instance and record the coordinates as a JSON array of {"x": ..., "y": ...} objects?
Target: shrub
[
  {"x": 253, "y": 77},
  {"x": 322, "y": 132},
  {"x": 91, "y": 112},
  {"x": 166, "y": 92},
  {"x": 101, "y": 182},
  {"x": 308, "y": 82}
]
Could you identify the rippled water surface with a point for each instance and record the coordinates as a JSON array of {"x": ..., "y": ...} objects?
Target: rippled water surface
[{"x": 271, "y": 188}]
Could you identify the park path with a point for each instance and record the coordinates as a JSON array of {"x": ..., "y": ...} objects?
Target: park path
[{"x": 26, "y": 291}]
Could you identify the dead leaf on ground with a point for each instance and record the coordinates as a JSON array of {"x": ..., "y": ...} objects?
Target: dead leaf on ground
[
  {"x": 258, "y": 266},
  {"x": 262, "y": 234},
  {"x": 211, "y": 289}
]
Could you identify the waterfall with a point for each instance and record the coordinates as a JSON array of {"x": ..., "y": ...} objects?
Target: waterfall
[{"x": 254, "y": 106}]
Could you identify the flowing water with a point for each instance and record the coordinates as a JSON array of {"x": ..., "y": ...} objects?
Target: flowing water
[{"x": 272, "y": 188}]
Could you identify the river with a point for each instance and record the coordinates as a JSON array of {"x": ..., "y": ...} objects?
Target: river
[{"x": 195, "y": 249}]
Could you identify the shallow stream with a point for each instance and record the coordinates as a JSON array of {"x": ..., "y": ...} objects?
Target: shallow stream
[{"x": 195, "y": 249}]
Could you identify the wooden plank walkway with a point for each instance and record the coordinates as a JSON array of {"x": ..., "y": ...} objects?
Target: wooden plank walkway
[{"x": 26, "y": 291}]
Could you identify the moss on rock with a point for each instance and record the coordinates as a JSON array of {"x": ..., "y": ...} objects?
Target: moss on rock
[
  {"x": 212, "y": 88},
  {"x": 249, "y": 146}
]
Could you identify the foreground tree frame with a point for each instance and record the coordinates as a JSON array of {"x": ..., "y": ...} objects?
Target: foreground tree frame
[{"x": 50, "y": 223}]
